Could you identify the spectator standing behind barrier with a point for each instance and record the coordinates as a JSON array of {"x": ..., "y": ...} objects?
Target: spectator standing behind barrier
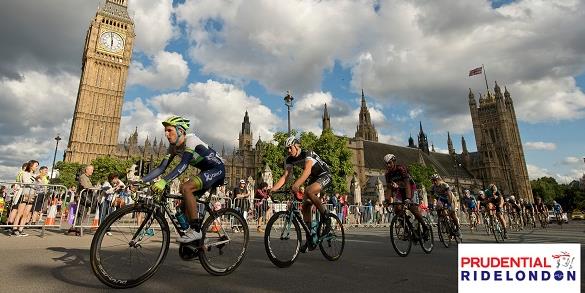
[
  {"x": 261, "y": 204},
  {"x": 27, "y": 199},
  {"x": 240, "y": 197},
  {"x": 16, "y": 194},
  {"x": 84, "y": 201},
  {"x": 42, "y": 178}
]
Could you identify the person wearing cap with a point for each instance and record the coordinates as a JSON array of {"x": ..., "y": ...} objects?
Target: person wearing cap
[{"x": 193, "y": 152}]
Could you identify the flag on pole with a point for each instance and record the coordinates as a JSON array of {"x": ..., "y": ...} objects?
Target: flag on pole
[{"x": 475, "y": 71}]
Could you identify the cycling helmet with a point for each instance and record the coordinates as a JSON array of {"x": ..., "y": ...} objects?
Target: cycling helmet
[
  {"x": 389, "y": 157},
  {"x": 291, "y": 140},
  {"x": 177, "y": 122},
  {"x": 512, "y": 197},
  {"x": 435, "y": 177}
]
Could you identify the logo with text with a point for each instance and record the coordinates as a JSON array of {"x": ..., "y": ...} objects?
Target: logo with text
[{"x": 518, "y": 267}]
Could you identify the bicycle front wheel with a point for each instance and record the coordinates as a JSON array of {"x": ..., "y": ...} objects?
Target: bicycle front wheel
[
  {"x": 225, "y": 241},
  {"x": 332, "y": 244},
  {"x": 282, "y": 239},
  {"x": 443, "y": 230},
  {"x": 400, "y": 236},
  {"x": 427, "y": 242},
  {"x": 124, "y": 255}
]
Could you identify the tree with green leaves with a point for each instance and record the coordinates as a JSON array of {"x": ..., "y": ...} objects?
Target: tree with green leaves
[
  {"x": 421, "y": 174},
  {"x": 331, "y": 148}
]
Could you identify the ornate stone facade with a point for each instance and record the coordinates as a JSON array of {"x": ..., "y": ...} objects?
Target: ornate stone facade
[
  {"x": 500, "y": 156},
  {"x": 106, "y": 57}
]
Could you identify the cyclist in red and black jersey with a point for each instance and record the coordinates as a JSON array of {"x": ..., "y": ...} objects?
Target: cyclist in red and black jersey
[{"x": 401, "y": 187}]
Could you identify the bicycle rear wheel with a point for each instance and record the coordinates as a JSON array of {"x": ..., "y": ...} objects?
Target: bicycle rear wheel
[
  {"x": 332, "y": 244},
  {"x": 282, "y": 239},
  {"x": 224, "y": 242},
  {"x": 400, "y": 235},
  {"x": 123, "y": 257}
]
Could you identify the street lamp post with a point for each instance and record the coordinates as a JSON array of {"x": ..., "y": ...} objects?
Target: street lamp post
[
  {"x": 57, "y": 139},
  {"x": 288, "y": 102}
]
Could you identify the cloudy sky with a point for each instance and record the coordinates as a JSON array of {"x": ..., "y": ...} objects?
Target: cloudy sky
[{"x": 211, "y": 60}]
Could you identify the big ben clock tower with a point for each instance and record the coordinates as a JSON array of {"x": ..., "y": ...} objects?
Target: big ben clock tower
[{"x": 106, "y": 57}]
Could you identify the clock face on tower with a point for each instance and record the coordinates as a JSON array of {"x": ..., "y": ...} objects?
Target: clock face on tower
[{"x": 112, "y": 42}]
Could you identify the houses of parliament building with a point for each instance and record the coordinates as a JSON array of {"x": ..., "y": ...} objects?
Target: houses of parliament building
[{"x": 94, "y": 132}]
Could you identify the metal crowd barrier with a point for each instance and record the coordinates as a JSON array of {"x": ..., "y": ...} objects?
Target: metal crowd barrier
[{"x": 32, "y": 205}]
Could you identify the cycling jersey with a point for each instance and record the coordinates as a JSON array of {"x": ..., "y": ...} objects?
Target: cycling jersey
[
  {"x": 318, "y": 166},
  {"x": 196, "y": 153},
  {"x": 557, "y": 207},
  {"x": 398, "y": 175},
  {"x": 471, "y": 203},
  {"x": 441, "y": 191}
]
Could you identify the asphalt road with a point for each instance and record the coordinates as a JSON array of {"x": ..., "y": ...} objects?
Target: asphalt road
[{"x": 59, "y": 263}]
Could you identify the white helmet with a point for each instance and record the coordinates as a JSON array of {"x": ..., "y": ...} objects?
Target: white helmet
[
  {"x": 389, "y": 157},
  {"x": 512, "y": 197},
  {"x": 291, "y": 140}
]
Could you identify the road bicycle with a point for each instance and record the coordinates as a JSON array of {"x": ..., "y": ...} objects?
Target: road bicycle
[
  {"x": 283, "y": 236},
  {"x": 447, "y": 229},
  {"x": 403, "y": 233},
  {"x": 132, "y": 242}
]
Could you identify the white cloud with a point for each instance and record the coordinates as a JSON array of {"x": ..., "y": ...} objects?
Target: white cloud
[
  {"x": 153, "y": 25},
  {"x": 572, "y": 161},
  {"x": 216, "y": 111},
  {"x": 34, "y": 110},
  {"x": 168, "y": 71},
  {"x": 540, "y": 145},
  {"x": 534, "y": 47},
  {"x": 535, "y": 172}
]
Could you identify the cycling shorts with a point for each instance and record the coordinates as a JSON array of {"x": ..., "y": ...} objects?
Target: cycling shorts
[{"x": 324, "y": 179}]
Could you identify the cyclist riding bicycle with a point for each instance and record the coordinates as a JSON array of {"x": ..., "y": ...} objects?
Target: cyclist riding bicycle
[
  {"x": 495, "y": 198},
  {"x": 516, "y": 207},
  {"x": 557, "y": 208},
  {"x": 541, "y": 210},
  {"x": 445, "y": 197},
  {"x": 318, "y": 176},
  {"x": 401, "y": 187},
  {"x": 471, "y": 204},
  {"x": 193, "y": 151}
]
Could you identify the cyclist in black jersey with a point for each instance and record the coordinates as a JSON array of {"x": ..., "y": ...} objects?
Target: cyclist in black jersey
[
  {"x": 317, "y": 174},
  {"x": 193, "y": 151}
]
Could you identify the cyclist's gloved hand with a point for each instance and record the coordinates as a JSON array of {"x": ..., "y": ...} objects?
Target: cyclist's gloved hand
[{"x": 159, "y": 186}]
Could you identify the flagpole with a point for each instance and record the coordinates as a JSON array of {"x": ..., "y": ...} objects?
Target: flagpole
[{"x": 485, "y": 77}]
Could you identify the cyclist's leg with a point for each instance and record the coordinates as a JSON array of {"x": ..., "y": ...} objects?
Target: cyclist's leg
[
  {"x": 311, "y": 198},
  {"x": 187, "y": 190}
]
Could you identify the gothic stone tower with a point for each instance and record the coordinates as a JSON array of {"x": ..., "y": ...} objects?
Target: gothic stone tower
[
  {"x": 245, "y": 138},
  {"x": 365, "y": 128},
  {"x": 326, "y": 119},
  {"x": 501, "y": 157},
  {"x": 105, "y": 61}
]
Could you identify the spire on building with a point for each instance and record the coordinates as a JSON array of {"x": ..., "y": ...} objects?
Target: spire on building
[
  {"x": 326, "y": 119},
  {"x": 498, "y": 91},
  {"x": 464, "y": 145},
  {"x": 471, "y": 97},
  {"x": 450, "y": 144},
  {"x": 245, "y": 139},
  {"x": 432, "y": 147},
  {"x": 411, "y": 142},
  {"x": 365, "y": 129},
  {"x": 423, "y": 143}
]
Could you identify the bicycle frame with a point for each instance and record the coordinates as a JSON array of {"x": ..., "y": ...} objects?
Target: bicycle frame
[{"x": 163, "y": 207}]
